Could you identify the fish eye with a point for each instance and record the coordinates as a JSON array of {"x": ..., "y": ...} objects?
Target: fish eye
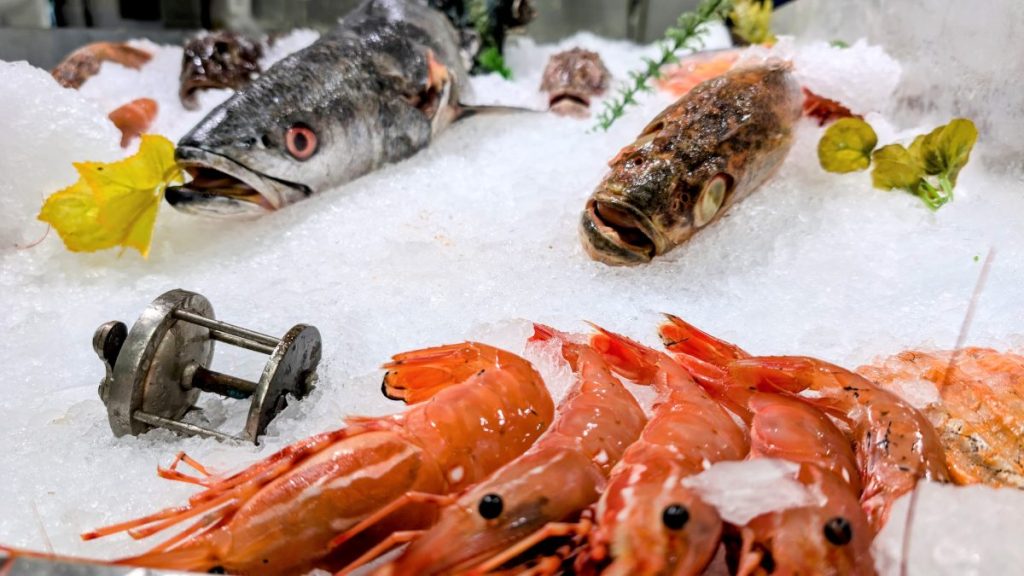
[
  {"x": 490, "y": 506},
  {"x": 675, "y": 516},
  {"x": 838, "y": 531},
  {"x": 300, "y": 140},
  {"x": 710, "y": 199}
]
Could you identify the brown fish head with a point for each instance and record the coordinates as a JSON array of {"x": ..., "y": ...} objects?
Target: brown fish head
[
  {"x": 649, "y": 203},
  {"x": 703, "y": 153},
  {"x": 571, "y": 79}
]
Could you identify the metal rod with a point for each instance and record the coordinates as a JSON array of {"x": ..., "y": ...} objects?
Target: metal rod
[
  {"x": 182, "y": 427},
  {"x": 225, "y": 328},
  {"x": 241, "y": 342},
  {"x": 223, "y": 384}
]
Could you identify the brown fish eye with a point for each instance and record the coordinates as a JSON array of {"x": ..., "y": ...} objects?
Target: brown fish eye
[
  {"x": 838, "y": 531},
  {"x": 300, "y": 141}
]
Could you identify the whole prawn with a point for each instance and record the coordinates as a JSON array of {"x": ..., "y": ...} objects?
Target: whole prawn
[
  {"x": 479, "y": 407},
  {"x": 829, "y": 537},
  {"x": 895, "y": 445},
  {"x": 647, "y": 521},
  {"x": 540, "y": 494}
]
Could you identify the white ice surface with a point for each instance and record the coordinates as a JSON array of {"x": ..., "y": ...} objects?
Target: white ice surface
[
  {"x": 954, "y": 531},
  {"x": 461, "y": 241}
]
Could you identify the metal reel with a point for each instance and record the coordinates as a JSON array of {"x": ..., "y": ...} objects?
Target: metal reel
[{"x": 156, "y": 371}]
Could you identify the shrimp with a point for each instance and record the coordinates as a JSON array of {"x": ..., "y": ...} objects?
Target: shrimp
[
  {"x": 895, "y": 445},
  {"x": 479, "y": 407},
  {"x": 134, "y": 118},
  {"x": 84, "y": 63},
  {"x": 541, "y": 494},
  {"x": 647, "y": 521},
  {"x": 978, "y": 413},
  {"x": 832, "y": 536}
]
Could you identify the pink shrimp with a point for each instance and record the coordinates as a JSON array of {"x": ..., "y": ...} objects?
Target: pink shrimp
[
  {"x": 895, "y": 445},
  {"x": 647, "y": 521},
  {"x": 542, "y": 493},
  {"x": 481, "y": 407}
]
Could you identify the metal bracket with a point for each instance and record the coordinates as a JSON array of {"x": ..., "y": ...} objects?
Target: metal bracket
[{"x": 155, "y": 371}]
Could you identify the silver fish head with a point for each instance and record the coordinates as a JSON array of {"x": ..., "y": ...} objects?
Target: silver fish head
[{"x": 273, "y": 145}]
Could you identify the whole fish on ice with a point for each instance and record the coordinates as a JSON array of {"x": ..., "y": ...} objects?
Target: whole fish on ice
[
  {"x": 705, "y": 152},
  {"x": 373, "y": 90}
]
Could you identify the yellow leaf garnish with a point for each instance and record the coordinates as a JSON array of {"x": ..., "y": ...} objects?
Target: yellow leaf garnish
[
  {"x": 114, "y": 204},
  {"x": 752, "y": 21}
]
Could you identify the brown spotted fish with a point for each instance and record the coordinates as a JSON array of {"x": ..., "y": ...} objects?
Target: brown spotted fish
[
  {"x": 571, "y": 79},
  {"x": 217, "y": 60},
  {"x": 707, "y": 151}
]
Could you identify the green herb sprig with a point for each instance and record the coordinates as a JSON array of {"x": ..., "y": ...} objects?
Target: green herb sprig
[{"x": 687, "y": 33}]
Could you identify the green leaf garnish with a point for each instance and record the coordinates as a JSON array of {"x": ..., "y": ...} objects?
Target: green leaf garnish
[
  {"x": 492, "y": 61},
  {"x": 846, "y": 146},
  {"x": 896, "y": 167},
  {"x": 928, "y": 168},
  {"x": 946, "y": 150},
  {"x": 838, "y": 44}
]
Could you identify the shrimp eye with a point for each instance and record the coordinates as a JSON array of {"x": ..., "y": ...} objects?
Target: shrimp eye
[
  {"x": 838, "y": 531},
  {"x": 300, "y": 140},
  {"x": 490, "y": 506},
  {"x": 675, "y": 516}
]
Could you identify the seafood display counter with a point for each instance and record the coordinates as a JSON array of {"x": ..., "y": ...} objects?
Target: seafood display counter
[{"x": 743, "y": 300}]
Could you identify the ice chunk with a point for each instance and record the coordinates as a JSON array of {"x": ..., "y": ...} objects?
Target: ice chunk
[
  {"x": 45, "y": 128},
  {"x": 742, "y": 491},
  {"x": 955, "y": 531}
]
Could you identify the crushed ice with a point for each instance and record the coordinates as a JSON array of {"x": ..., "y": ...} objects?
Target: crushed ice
[{"x": 465, "y": 240}]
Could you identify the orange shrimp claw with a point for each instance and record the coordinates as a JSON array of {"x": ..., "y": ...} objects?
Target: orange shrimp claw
[
  {"x": 405, "y": 499},
  {"x": 394, "y": 539},
  {"x": 680, "y": 336}
]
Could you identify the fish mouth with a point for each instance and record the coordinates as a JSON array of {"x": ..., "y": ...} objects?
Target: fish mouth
[
  {"x": 224, "y": 188},
  {"x": 566, "y": 103},
  {"x": 618, "y": 234}
]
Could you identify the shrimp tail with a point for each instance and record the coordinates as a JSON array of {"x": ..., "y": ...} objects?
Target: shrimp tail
[
  {"x": 628, "y": 358},
  {"x": 682, "y": 337},
  {"x": 790, "y": 374},
  {"x": 570, "y": 348},
  {"x": 417, "y": 376}
]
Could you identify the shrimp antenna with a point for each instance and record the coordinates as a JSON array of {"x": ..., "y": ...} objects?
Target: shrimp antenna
[{"x": 961, "y": 339}]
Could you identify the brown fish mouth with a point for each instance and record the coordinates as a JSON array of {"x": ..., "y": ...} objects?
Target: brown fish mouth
[{"x": 618, "y": 234}]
